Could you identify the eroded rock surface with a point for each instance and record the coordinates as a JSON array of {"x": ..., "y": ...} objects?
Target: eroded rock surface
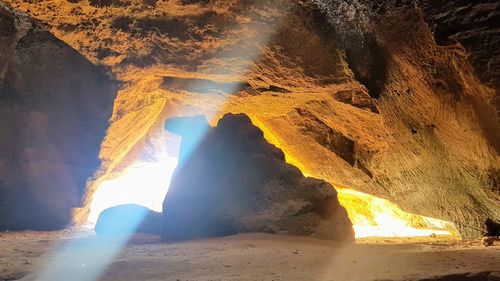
[
  {"x": 54, "y": 110},
  {"x": 231, "y": 180},
  {"x": 368, "y": 101},
  {"x": 475, "y": 24}
]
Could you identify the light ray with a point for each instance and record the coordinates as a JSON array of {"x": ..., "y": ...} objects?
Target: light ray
[{"x": 87, "y": 259}]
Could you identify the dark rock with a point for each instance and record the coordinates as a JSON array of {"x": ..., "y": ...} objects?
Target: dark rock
[
  {"x": 273, "y": 88},
  {"x": 107, "y": 3},
  {"x": 475, "y": 25},
  {"x": 54, "y": 107},
  {"x": 492, "y": 228},
  {"x": 335, "y": 141},
  {"x": 231, "y": 180},
  {"x": 150, "y": 2},
  {"x": 357, "y": 98},
  {"x": 122, "y": 23},
  {"x": 468, "y": 276},
  {"x": 203, "y": 86},
  {"x": 128, "y": 219},
  {"x": 106, "y": 52},
  {"x": 367, "y": 58},
  {"x": 190, "y": 2},
  {"x": 369, "y": 64}
]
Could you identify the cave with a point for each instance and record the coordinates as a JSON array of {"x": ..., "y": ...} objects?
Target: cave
[{"x": 249, "y": 140}]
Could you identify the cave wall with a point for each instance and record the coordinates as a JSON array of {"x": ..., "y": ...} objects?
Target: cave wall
[
  {"x": 54, "y": 107},
  {"x": 475, "y": 26},
  {"x": 434, "y": 97},
  {"x": 384, "y": 108}
]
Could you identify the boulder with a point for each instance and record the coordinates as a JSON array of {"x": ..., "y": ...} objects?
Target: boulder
[
  {"x": 231, "y": 180},
  {"x": 54, "y": 107},
  {"x": 128, "y": 219}
]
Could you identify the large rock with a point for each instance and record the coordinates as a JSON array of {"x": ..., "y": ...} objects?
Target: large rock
[
  {"x": 231, "y": 180},
  {"x": 128, "y": 219},
  {"x": 54, "y": 107}
]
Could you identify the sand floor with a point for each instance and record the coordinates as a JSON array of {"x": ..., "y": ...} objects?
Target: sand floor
[{"x": 71, "y": 255}]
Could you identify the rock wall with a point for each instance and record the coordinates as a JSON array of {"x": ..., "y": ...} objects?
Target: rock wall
[
  {"x": 54, "y": 107},
  {"x": 387, "y": 110},
  {"x": 231, "y": 180},
  {"x": 475, "y": 26}
]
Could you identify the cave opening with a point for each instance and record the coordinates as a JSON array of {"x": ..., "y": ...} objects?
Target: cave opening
[
  {"x": 146, "y": 184},
  {"x": 141, "y": 183}
]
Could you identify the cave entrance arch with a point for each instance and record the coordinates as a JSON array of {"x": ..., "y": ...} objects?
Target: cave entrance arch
[{"x": 146, "y": 183}]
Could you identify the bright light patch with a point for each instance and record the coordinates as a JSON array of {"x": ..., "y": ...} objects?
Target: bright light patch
[
  {"x": 376, "y": 217},
  {"x": 142, "y": 183}
]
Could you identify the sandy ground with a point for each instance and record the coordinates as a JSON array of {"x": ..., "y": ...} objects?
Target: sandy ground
[{"x": 75, "y": 256}]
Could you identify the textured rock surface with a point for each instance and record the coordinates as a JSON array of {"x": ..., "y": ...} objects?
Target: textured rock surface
[
  {"x": 234, "y": 181},
  {"x": 128, "y": 219},
  {"x": 400, "y": 116},
  {"x": 54, "y": 107},
  {"x": 475, "y": 25}
]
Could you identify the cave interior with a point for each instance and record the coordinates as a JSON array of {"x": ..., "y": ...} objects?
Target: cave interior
[{"x": 249, "y": 140}]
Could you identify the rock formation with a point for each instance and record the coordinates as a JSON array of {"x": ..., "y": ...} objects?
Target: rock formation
[
  {"x": 475, "y": 26},
  {"x": 54, "y": 107},
  {"x": 383, "y": 102},
  {"x": 472, "y": 24},
  {"x": 231, "y": 180},
  {"x": 128, "y": 219}
]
